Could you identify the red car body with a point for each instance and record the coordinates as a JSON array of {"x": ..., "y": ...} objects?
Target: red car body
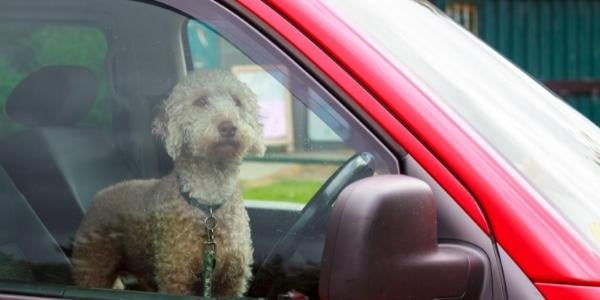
[
  {"x": 555, "y": 258},
  {"x": 551, "y": 253}
]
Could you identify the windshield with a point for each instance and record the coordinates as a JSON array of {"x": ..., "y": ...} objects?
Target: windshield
[{"x": 551, "y": 144}]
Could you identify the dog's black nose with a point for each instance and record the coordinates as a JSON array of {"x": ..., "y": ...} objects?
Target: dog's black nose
[{"x": 227, "y": 129}]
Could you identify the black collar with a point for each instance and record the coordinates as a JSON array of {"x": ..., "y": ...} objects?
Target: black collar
[{"x": 209, "y": 209}]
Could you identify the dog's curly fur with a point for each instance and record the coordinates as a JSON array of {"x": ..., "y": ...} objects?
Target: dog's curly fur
[{"x": 146, "y": 228}]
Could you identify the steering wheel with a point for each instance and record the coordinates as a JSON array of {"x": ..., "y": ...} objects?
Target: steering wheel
[{"x": 314, "y": 215}]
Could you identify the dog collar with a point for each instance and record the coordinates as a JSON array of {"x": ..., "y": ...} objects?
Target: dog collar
[{"x": 197, "y": 203}]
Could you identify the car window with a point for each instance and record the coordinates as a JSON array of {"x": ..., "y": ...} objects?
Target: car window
[{"x": 151, "y": 150}]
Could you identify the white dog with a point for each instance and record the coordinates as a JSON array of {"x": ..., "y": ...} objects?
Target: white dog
[{"x": 156, "y": 229}]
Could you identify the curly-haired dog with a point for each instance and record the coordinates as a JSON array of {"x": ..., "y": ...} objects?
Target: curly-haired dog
[{"x": 154, "y": 229}]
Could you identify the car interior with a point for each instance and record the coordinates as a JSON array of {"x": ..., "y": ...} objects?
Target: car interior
[{"x": 53, "y": 163}]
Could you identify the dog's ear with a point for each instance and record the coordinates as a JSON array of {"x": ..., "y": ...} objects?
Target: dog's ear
[
  {"x": 168, "y": 133},
  {"x": 258, "y": 148},
  {"x": 159, "y": 124}
]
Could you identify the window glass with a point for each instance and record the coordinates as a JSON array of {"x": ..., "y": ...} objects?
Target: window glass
[{"x": 165, "y": 153}]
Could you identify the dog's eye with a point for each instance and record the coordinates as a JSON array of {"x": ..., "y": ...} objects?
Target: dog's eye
[
  {"x": 237, "y": 101},
  {"x": 201, "y": 101}
]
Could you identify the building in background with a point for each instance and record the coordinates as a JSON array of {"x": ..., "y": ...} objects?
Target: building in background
[
  {"x": 288, "y": 125},
  {"x": 556, "y": 41}
]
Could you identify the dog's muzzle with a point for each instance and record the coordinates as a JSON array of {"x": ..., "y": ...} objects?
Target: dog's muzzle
[{"x": 227, "y": 129}]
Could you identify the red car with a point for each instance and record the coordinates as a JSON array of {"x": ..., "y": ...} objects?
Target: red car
[{"x": 406, "y": 159}]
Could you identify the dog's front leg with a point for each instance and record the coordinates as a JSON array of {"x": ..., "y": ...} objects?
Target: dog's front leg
[
  {"x": 234, "y": 273},
  {"x": 177, "y": 245}
]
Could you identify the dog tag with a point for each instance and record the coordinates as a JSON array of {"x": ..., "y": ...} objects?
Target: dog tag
[{"x": 210, "y": 222}]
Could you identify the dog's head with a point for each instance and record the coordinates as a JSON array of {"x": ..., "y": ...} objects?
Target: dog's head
[{"x": 210, "y": 114}]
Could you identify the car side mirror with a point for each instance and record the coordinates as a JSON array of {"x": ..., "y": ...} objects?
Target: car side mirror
[{"x": 382, "y": 243}]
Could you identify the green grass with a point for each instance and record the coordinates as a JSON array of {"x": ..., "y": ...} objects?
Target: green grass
[{"x": 298, "y": 191}]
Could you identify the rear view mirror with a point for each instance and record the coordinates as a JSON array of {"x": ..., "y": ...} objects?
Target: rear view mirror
[{"x": 382, "y": 244}]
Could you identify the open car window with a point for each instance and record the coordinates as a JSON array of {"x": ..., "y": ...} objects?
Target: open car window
[{"x": 149, "y": 148}]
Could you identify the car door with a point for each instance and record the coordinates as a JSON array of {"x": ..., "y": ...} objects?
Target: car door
[
  {"x": 389, "y": 64},
  {"x": 88, "y": 79},
  {"x": 407, "y": 100},
  {"x": 322, "y": 129}
]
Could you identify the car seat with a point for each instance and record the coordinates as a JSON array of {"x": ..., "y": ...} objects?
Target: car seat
[{"x": 58, "y": 165}]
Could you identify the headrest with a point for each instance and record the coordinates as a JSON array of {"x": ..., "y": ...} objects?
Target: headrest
[{"x": 53, "y": 96}]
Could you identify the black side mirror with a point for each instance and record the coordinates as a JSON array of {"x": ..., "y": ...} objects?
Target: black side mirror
[{"x": 382, "y": 244}]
